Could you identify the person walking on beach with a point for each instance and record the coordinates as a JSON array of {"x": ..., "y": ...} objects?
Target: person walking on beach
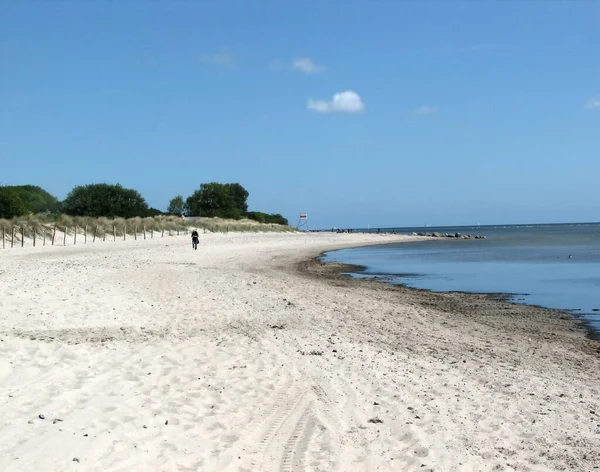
[{"x": 195, "y": 239}]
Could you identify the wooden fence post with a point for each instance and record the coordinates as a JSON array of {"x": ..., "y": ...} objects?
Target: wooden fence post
[
  {"x": 53, "y": 234},
  {"x": 33, "y": 237},
  {"x": 124, "y": 230},
  {"x": 144, "y": 233},
  {"x": 163, "y": 233},
  {"x": 103, "y": 233},
  {"x": 45, "y": 230},
  {"x": 75, "y": 235},
  {"x": 135, "y": 237},
  {"x": 177, "y": 231},
  {"x": 114, "y": 233},
  {"x": 151, "y": 233},
  {"x": 65, "y": 236},
  {"x": 22, "y": 236},
  {"x": 12, "y": 241},
  {"x": 3, "y": 237},
  {"x": 85, "y": 235},
  {"x": 95, "y": 231}
]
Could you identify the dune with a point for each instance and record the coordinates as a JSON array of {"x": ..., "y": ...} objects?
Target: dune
[{"x": 248, "y": 354}]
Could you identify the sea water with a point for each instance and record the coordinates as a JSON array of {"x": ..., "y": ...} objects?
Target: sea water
[{"x": 557, "y": 266}]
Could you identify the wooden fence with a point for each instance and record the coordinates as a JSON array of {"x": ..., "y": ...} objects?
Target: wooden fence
[{"x": 41, "y": 236}]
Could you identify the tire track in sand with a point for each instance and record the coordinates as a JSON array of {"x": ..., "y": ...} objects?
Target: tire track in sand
[{"x": 292, "y": 425}]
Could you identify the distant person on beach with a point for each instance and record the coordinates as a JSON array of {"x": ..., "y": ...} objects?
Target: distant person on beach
[{"x": 195, "y": 239}]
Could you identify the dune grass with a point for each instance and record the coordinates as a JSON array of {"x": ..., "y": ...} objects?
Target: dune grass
[{"x": 105, "y": 228}]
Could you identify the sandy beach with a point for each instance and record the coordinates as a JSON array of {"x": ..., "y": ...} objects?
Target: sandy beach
[{"x": 248, "y": 354}]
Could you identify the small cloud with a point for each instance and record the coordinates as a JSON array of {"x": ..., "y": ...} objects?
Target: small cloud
[
  {"x": 593, "y": 103},
  {"x": 425, "y": 110},
  {"x": 222, "y": 58},
  {"x": 348, "y": 101},
  {"x": 306, "y": 65}
]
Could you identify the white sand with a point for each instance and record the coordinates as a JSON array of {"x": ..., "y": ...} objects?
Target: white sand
[{"x": 117, "y": 339}]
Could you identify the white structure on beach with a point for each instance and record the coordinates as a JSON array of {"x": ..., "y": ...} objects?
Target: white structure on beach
[{"x": 303, "y": 221}]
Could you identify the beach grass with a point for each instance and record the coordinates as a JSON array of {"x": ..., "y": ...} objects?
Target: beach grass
[{"x": 36, "y": 225}]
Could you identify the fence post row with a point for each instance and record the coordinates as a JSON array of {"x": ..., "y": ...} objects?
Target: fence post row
[{"x": 45, "y": 232}]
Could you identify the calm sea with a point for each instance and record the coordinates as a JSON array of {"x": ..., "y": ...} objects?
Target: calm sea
[{"x": 529, "y": 261}]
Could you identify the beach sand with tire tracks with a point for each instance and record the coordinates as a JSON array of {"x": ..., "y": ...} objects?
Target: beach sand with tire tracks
[{"x": 248, "y": 354}]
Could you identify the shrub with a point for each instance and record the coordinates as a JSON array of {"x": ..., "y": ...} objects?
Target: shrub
[
  {"x": 274, "y": 218},
  {"x": 98, "y": 200},
  {"x": 218, "y": 200},
  {"x": 11, "y": 204},
  {"x": 36, "y": 199}
]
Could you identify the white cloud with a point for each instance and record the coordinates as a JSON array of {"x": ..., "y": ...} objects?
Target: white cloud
[
  {"x": 348, "y": 101},
  {"x": 222, "y": 58},
  {"x": 593, "y": 103},
  {"x": 425, "y": 110},
  {"x": 306, "y": 65}
]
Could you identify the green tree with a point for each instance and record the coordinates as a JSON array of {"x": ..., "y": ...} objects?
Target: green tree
[
  {"x": 97, "y": 200},
  {"x": 35, "y": 198},
  {"x": 239, "y": 195},
  {"x": 215, "y": 199},
  {"x": 177, "y": 206},
  {"x": 11, "y": 204}
]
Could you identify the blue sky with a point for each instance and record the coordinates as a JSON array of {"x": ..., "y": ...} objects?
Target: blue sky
[{"x": 360, "y": 113}]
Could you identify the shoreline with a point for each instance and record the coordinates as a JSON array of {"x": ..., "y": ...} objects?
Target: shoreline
[
  {"x": 563, "y": 323},
  {"x": 347, "y": 270}
]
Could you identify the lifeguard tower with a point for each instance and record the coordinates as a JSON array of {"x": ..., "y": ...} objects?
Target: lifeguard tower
[{"x": 303, "y": 222}]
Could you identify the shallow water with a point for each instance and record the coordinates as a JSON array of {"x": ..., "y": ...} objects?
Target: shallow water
[{"x": 532, "y": 262}]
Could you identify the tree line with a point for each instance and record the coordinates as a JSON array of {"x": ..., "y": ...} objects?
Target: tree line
[{"x": 97, "y": 200}]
